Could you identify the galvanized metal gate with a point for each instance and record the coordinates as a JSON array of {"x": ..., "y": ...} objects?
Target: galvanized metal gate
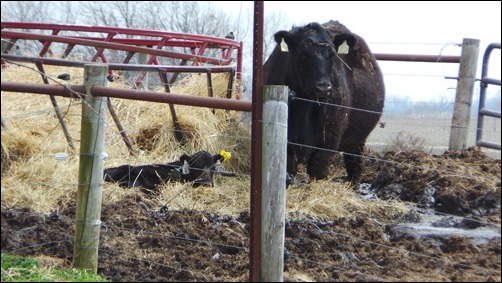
[{"x": 483, "y": 111}]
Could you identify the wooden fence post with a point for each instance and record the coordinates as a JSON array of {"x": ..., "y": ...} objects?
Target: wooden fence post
[
  {"x": 90, "y": 177},
  {"x": 273, "y": 203},
  {"x": 463, "y": 98}
]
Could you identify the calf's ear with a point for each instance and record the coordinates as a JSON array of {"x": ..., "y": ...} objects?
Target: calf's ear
[
  {"x": 217, "y": 157},
  {"x": 344, "y": 43},
  {"x": 184, "y": 157}
]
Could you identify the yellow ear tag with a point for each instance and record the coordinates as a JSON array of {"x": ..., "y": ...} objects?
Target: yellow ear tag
[
  {"x": 343, "y": 48},
  {"x": 225, "y": 154},
  {"x": 284, "y": 46}
]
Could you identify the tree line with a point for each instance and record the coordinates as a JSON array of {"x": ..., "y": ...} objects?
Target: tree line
[
  {"x": 440, "y": 104},
  {"x": 192, "y": 17}
]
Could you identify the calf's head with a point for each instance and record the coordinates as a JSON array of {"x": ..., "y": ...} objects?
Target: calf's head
[{"x": 200, "y": 167}]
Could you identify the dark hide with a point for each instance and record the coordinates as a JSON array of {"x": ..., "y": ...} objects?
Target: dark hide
[
  {"x": 327, "y": 88},
  {"x": 199, "y": 169}
]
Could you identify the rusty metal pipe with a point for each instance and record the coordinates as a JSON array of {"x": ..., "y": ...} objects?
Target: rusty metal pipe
[{"x": 77, "y": 91}]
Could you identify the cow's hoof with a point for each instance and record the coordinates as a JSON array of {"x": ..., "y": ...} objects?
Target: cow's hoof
[
  {"x": 302, "y": 178},
  {"x": 342, "y": 179},
  {"x": 290, "y": 180}
]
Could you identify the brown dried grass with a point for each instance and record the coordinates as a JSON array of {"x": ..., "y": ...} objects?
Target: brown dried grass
[{"x": 33, "y": 178}]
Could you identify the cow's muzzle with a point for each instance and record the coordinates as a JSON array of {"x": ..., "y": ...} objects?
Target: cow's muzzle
[{"x": 323, "y": 89}]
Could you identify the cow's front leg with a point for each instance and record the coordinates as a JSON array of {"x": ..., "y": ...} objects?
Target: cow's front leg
[
  {"x": 319, "y": 164},
  {"x": 353, "y": 163},
  {"x": 292, "y": 164}
]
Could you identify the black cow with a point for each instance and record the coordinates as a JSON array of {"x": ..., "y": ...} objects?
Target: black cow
[
  {"x": 323, "y": 66},
  {"x": 198, "y": 168}
]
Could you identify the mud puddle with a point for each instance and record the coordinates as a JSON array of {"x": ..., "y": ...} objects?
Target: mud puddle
[{"x": 428, "y": 223}]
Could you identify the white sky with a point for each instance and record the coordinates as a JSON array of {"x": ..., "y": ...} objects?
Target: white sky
[{"x": 406, "y": 27}]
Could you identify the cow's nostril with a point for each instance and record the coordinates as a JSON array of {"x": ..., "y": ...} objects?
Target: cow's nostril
[{"x": 323, "y": 86}]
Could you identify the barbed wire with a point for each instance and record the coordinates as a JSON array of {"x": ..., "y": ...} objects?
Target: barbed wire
[
  {"x": 364, "y": 110},
  {"x": 312, "y": 101},
  {"x": 247, "y": 175},
  {"x": 444, "y": 44},
  {"x": 107, "y": 225},
  {"x": 372, "y": 158},
  {"x": 297, "y": 98},
  {"x": 452, "y": 263},
  {"x": 316, "y": 148},
  {"x": 212, "y": 276},
  {"x": 414, "y": 75}
]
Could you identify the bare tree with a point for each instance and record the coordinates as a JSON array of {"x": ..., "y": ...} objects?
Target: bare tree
[
  {"x": 128, "y": 14},
  {"x": 193, "y": 17},
  {"x": 274, "y": 22},
  {"x": 67, "y": 14},
  {"x": 26, "y": 11}
]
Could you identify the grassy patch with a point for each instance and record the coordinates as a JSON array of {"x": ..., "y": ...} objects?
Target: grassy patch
[{"x": 20, "y": 269}]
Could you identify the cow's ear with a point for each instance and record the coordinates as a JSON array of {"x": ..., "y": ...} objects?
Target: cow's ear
[
  {"x": 284, "y": 39},
  {"x": 344, "y": 43}
]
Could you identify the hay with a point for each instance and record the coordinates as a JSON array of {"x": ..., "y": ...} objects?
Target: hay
[
  {"x": 38, "y": 181},
  {"x": 327, "y": 200}
]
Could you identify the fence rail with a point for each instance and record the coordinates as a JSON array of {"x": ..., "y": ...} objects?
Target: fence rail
[
  {"x": 483, "y": 111},
  {"x": 77, "y": 91}
]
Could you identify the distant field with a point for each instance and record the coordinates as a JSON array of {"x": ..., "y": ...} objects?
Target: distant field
[{"x": 435, "y": 132}]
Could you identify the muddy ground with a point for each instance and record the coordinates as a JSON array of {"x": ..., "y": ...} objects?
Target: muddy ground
[{"x": 141, "y": 243}]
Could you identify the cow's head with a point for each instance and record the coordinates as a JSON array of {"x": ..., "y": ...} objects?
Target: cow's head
[{"x": 312, "y": 51}]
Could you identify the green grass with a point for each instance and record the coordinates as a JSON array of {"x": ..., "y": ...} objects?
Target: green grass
[{"x": 20, "y": 269}]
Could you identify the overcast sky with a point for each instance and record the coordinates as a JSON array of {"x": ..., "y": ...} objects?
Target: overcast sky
[
  {"x": 409, "y": 27},
  {"x": 405, "y": 27}
]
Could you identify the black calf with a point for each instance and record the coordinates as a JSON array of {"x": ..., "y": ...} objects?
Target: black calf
[{"x": 198, "y": 168}]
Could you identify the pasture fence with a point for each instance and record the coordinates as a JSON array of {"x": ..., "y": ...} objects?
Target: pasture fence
[
  {"x": 465, "y": 85},
  {"x": 69, "y": 91},
  {"x": 63, "y": 90},
  {"x": 90, "y": 177},
  {"x": 273, "y": 190},
  {"x": 161, "y": 70},
  {"x": 483, "y": 110},
  {"x": 109, "y": 253},
  {"x": 122, "y": 45},
  {"x": 463, "y": 98}
]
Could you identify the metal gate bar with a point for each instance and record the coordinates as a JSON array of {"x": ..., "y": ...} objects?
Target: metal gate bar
[
  {"x": 485, "y": 81},
  {"x": 66, "y": 132}
]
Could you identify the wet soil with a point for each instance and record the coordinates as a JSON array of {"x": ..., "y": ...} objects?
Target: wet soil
[{"x": 142, "y": 243}]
